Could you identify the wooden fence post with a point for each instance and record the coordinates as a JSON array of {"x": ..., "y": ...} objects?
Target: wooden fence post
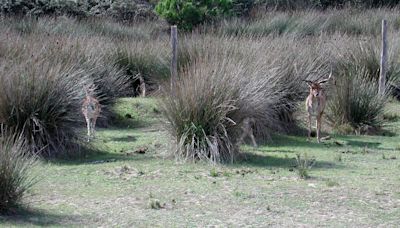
[
  {"x": 383, "y": 63},
  {"x": 174, "y": 61}
]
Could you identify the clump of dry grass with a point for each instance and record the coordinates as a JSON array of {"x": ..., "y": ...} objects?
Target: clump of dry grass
[
  {"x": 149, "y": 60},
  {"x": 354, "y": 100},
  {"x": 15, "y": 170},
  {"x": 227, "y": 80},
  {"x": 301, "y": 23},
  {"x": 42, "y": 80}
]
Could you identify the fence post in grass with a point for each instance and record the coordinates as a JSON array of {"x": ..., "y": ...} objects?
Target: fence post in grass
[
  {"x": 174, "y": 61},
  {"x": 383, "y": 63}
]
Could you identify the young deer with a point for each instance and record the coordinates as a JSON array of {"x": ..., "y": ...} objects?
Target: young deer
[
  {"x": 247, "y": 130},
  {"x": 315, "y": 104},
  {"x": 91, "y": 110}
]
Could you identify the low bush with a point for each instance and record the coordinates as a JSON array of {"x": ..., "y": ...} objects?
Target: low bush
[
  {"x": 304, "y": 165},
  {"x": 121, "y": 10},
  {"x": 189, "y": 13},
  {"x": 15, "y": 171}
]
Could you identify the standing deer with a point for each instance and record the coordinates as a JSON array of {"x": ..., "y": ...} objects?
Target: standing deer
[
  {"x": 315, "y": 104},
  {"x": 247, "y": 130},
  {"x": 91, "y": 110}
]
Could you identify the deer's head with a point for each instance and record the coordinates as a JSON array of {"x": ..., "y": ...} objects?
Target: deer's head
[
  {"x": 89, "y": 90},
  {"x": 317, "y": 86}
]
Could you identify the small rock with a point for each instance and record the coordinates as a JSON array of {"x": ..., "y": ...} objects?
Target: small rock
[
  {"x": 141, "y": 150},
  {"x": 312, "y": 185},
  {"x": 326, "y": 137},
  {"x": 338, "y": 143}
]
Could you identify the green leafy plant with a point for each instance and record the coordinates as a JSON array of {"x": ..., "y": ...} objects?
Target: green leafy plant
[
  {"x": 189, "y": 13},
  {"x": 304, "y": 165}
]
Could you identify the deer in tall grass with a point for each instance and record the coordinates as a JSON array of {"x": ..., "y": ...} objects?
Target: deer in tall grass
[
  {"x": 91, "y": 110},
  {"x": 315, "y": 104},
  {"x": 247, "y": 131}
]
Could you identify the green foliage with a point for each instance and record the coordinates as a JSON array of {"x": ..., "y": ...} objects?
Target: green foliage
[
  {"x": 15, "y": 171},
  {"x": 304, "y": 165},
  {"x": 214, "y": 172},
  {"x": 122, "y": 10},
  {"x": 189, "y": 13}
]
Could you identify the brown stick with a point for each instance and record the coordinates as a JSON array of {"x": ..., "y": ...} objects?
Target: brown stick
[{"x": 383, "y": 63}]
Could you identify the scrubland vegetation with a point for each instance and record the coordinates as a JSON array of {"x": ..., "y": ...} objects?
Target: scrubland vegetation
[{"x": 244, "y": 60}]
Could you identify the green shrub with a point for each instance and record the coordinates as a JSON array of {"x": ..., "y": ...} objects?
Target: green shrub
[
  {"x": 15, "y": 171},
  {"x": 121, "y": 10},
  {"x": 189, "y": 13},
  {"x": 242, "y": 7},
  {"x": 304, "y": 165}
]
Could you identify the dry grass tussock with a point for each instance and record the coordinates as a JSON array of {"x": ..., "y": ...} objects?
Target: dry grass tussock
[
  {"x": 15, "y": 171},
  {"x": 351, "y": 21},
  {"x": 229, "y": 79},
  {"x": 42, "y": 78},
  {"x": 223, "y": 78}
]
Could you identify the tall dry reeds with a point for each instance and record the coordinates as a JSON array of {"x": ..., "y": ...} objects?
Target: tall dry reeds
[{"x": 229, "y": 79}]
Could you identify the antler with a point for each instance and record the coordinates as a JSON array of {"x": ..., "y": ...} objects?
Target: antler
[
  {"x": 307, "y": 74},
  {"x": 325, "y": 80}
]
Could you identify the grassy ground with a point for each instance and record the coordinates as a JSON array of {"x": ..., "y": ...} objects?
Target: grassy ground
[{"x": 354, "y": 182}]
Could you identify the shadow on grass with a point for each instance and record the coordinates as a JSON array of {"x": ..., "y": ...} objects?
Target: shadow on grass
[
  {"x": 296, "y": 141},
  {"x": 98, "y": 156},
  {"x": 120, "y": 121},
  {"x": 128, "y": 138},
  {"x": 290, "y": 141},
  {"x": 34, "y": 217},
  {"x": 361, "y": 144},
  {"x": 267, "y": 161}
]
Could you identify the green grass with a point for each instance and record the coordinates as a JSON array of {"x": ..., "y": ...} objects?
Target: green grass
[{"x": 117, "y": 187}]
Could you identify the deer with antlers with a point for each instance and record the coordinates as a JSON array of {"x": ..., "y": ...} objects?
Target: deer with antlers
[
  {"x": 315, "y": 104},
  {"x": 91, "y": 110}
]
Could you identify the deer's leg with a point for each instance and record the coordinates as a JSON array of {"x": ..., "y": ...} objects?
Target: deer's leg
[
  {"x": 88, "y": 128},
  {"x": 241, "y": 139},
  {"x": 142, "y": 89},
  {"x": 253, "y": 140},
  {"x": 309, "y": 127},
  {"x": 94, "y": 127},
  {"x": 319, "y": 128}
]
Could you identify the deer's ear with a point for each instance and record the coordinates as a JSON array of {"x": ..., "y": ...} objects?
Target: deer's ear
[
  {"x": 323, "y": 81},
  {"x": 309, "y": 83}
]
